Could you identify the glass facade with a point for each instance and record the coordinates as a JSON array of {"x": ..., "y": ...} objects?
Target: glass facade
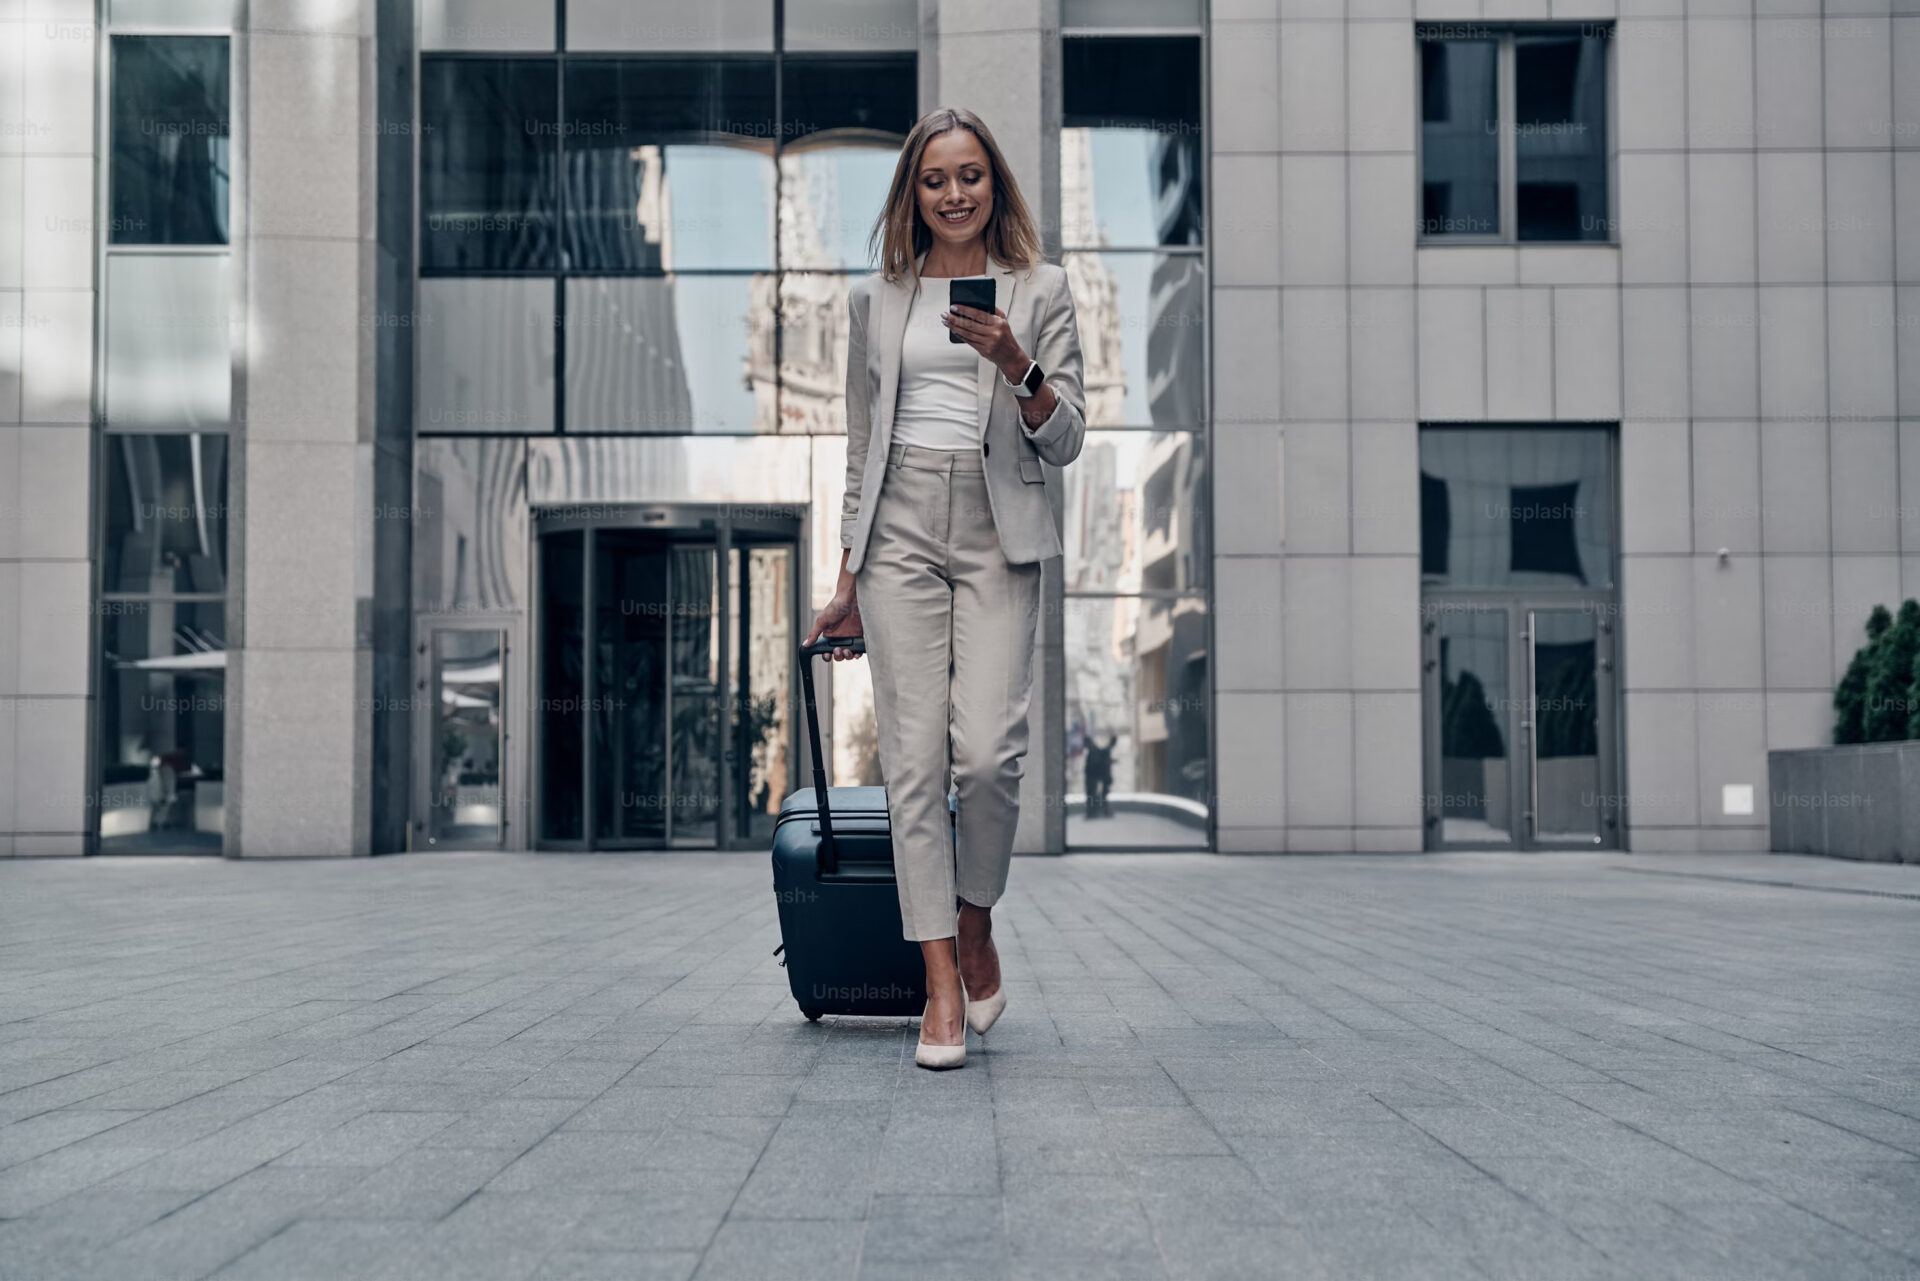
[
  {"x": 162, "y": 650},
  {"x": 1132, "y": 205},
  {"x": 161, "y": 473},
  {"x": 637, "y": 235},
  {"x": 668, "y": 252}
]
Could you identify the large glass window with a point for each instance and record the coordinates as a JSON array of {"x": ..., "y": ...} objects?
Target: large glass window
[
  {"x": 160, "y": 473},
  {"x": 163, "y": 653},
  {"x": 1516, "y": 508},
  {"x": 169, "y": 171},
  {"x": 689, "y": 212},
  {"x": 1513, "y": 141},
  {"x": 489, "y": 141},
  {"x": 1137, "y": 554}
]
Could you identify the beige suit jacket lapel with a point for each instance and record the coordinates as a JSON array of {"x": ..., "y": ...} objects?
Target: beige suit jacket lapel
[{"x": 895, "y": 298}]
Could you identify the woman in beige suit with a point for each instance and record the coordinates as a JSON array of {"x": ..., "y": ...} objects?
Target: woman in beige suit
[{"x": 945, "y": 523}]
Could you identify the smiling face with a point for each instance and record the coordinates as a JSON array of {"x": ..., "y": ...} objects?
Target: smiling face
[{"x": 955, "y": 187}]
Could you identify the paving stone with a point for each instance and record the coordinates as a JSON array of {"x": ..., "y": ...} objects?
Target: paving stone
[{"x": 1471, "y": 1066}]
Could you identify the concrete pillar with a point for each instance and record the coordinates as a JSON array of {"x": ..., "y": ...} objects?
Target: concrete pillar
[
  {"x": 1001, "y": 60},
  {"x": 317, "y": 682}
]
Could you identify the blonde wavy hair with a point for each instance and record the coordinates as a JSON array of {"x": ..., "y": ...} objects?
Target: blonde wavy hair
[{"x": 903, "y": 235}]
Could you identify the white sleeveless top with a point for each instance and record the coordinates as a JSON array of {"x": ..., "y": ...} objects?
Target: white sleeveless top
[{"x": 938, "y": 405}]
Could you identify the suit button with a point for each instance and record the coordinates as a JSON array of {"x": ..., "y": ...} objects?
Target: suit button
[{"x": 986, "y": 447}]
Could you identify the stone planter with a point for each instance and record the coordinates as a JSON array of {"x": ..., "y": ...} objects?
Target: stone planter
[{"x": 1859, "y": 801}]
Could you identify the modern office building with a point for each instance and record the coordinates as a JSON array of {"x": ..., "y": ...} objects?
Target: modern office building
[{"x": 421, "y": 422}]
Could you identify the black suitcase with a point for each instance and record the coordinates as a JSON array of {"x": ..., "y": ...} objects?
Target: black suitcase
[{"x": 833, "y": 882}]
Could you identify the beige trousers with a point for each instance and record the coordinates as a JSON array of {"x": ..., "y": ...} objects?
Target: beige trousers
[{"x": 950, "y": 629}]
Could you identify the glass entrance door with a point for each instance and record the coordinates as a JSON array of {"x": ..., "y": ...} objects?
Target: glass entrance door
[
  {"x": 1520, "y": 725},
  {"x": 665, "y": 657},
  {"x": 463, "y": 682}
]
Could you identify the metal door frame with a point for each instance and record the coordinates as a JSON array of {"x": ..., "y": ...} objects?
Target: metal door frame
[
  {"x": 514, "y": 834},
  {"x": 705, "y": 524},
  {"x": 1517, "y": 719}
]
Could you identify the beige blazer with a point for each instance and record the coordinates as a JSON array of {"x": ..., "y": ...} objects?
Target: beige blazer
[{"x": 1039, "y": 309}]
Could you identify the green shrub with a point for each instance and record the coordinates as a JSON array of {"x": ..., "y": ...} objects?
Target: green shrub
[
  {"x": 1890, "y": 677},
  {"x": 1913, "y": 701},
  {"x": 1850, "y": 697}
]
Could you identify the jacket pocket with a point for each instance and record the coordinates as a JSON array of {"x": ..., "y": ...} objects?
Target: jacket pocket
[{"x": 1030, "y": 471}]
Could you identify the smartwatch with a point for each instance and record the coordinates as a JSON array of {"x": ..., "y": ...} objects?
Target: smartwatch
[{"x": 1029, "y": 383}]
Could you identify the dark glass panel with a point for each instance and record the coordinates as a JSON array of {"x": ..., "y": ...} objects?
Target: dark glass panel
[
  {"x": 1459, "y": 137},
  {"x": 561, "y": 704},
  {"x": 1560, "y": 148},
  {"x": 696, "y": 691},
  {"x": 876, "y": 97},
  {"x": 489, "y": 143},
  {"x": 631, "y": 785},
  {"x": 164, "y": 523},
  {"x": 169, "y": 172},
  {"x": 1475, "y": 768},
  {"x": 162, "y": 726},
  {"x": 1566, "y": 709}
]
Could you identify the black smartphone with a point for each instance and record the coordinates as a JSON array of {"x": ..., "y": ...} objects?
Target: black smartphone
[{"x": 968, "y": 292}]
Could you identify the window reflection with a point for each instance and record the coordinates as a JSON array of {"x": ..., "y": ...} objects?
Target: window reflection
[
  {"x": 1135, "y": 513},
  {"x": 169, "y": 171},
  {"x": 489, "y": 143},
  {"x": 830, "y": 195},
  {"x": 669, "y": 164},
  {"x": 164, "y": 519},
  {"x": 1476, "y": 804},
  {"x": 813, "y": 354},
  {"x": 162, "y": 719},
  {"x": 1560, "y": 151},
  {"x": 665, "y": 354},
  {"x": 1459, "y": 137},
  {"x": 1516, "y": 507},
  {"x": 1136, "y": 717},
  {"x": 486, "y": 355},
  {"x": 1140, "y": 317},
  {"x": 1130, "y": 142},
  {"x": 466, "y": 802},
  {"x": 469, "y": 525}
]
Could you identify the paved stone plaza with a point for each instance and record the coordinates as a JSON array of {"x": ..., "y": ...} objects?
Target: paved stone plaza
[{"x": 519, "y": 1066}]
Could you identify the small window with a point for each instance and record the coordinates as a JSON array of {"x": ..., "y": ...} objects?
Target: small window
[
  {"x": 169, "y": 172},
  {"x": 1513, "y": 134}
]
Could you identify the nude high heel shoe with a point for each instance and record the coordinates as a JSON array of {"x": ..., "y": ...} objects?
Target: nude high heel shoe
[
  {"x": 941, "y": 1057},
  {"x": 982, "y": 1013}
]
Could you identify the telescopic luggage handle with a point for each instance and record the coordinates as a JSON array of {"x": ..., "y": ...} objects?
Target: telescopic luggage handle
[{"x": 829, "y": 860}]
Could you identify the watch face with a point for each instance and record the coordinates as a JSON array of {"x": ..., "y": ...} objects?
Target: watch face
[{"x": 1035, "y": 376}]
